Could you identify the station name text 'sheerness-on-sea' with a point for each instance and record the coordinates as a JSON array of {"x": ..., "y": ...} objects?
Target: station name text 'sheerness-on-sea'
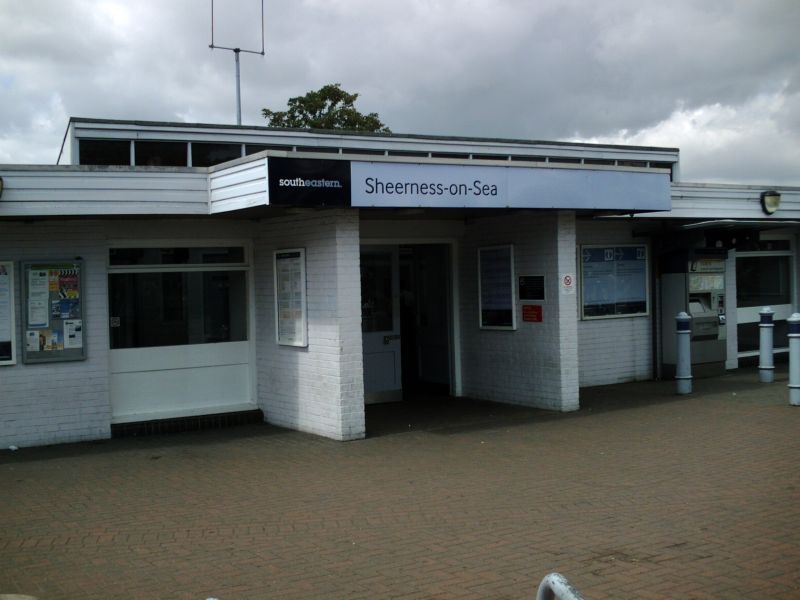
[{"x": 373, "y": 185}]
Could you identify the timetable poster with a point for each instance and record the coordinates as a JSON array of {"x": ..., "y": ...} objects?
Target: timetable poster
[
  {"x": 290, "y": 297},
  {"x": 53, "y": 312},
  {"x": 614, "y": 280},
  {"x": 7, "y": 326},
  {"x": 496, "y": 277}
]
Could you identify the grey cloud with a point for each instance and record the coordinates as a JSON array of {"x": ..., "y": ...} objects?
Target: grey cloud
[{"x": 551, "y": 69}]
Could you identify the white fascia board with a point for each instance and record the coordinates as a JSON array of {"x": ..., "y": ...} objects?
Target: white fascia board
[
  {"x": 238, "y": 186},
  {"x": 37, "y": 190},
  {"x": 727, "y": 201}
]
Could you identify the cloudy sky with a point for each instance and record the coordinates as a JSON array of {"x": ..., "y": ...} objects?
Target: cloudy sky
[{"x": 719, "y": 79}]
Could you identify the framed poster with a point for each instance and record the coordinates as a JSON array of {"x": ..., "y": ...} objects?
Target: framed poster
[
  {"x": 614, "y": 281},
  {"x": 291, "y": 314},
  {"x": 53, "y": 301},
  {"x": 496, "y": 287},
  {"x": 8, "y": 324}
]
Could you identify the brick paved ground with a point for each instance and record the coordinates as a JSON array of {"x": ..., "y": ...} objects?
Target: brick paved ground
[{"x": 640, "y": 495}]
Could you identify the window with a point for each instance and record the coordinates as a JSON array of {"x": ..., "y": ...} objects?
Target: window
[
  {"x": 763, "y": 281},
  {"x": 176, "y": 256},
  {"x": 206, "y": 155},
  {"x": 177, "y": 296},
  {"x": 749, "y": 336},
  {"x": 177, "y": 308},
  {"x": 253, "y": 148},
  {"x": 613, "y": 281},
  {"x": 104, "y": 152},
  {"x": 496, "y": 287},
  {"x": 376, "y": 292},
  {"x": 161, "y": 154}
]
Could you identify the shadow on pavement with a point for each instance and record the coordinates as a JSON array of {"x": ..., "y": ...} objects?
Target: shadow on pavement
[
  {"x": 144, "y": 443},
  {"x": 446, "y": 415}
]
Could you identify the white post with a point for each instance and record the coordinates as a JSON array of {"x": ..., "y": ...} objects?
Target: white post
[
  {"x": 683, "y": 369},
  {"x": 794, "y": 359},
  {"x": 766, "y": 365}
]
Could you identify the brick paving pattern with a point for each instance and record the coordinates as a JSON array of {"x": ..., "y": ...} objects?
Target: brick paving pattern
[{"x": 641, "y": 494}]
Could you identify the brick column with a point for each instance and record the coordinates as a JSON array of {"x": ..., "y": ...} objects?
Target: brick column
[
  {"x": 318, "y": 389},
  {"x": 568, "y": 314}
]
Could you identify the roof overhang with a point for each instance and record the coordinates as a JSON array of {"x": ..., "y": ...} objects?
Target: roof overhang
[{"x": 287, "y": 179}]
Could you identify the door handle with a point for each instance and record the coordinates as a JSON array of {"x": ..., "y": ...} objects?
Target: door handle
[{"x": 389, "y": 338}]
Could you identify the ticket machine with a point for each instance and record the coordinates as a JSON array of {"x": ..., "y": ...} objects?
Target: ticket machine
[{"x": 693, "y": 281}]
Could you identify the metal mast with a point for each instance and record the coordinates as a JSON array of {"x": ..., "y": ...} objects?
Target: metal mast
[{"x": 236, "y": 52}]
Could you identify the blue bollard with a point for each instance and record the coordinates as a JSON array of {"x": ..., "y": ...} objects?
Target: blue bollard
[
  {"x": 766, "y": 364},
  {"x": 683, "y": 369},
  {"x": 794, "y": 359}
]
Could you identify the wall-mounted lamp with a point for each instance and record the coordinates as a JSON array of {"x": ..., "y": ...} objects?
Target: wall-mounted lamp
[{"x": 770, "y": 201}]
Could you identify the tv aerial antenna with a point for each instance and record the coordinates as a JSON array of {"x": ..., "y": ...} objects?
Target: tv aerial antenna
[{"x": 236, "y": 52}]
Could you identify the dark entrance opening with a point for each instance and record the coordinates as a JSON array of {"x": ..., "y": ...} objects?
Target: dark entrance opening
[{"x": 425, "y": 320}]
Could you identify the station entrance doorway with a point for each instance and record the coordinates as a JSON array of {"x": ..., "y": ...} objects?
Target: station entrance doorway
[{"x": 406, "y": 321}]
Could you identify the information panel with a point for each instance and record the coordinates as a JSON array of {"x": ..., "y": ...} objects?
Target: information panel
[
  {"x": 53, "y": 307},
  {"x": 8, "y": 346},
  {"x": 496, "y": 283},
  {"x": 614, "y": 281},
  {"x": 291, "y": 324},
  {"x": 531, "y": 287}
]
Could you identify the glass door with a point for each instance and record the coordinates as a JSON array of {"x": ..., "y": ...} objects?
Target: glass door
[{"x": 380, "y": 323}]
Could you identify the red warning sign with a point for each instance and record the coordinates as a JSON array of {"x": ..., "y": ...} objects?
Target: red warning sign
[{"x": 532, "y": 313}]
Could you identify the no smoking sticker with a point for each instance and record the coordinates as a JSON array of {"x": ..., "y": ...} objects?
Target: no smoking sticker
[{"x": 568, "y": 283}]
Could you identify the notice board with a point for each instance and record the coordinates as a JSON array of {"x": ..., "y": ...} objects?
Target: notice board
[
  {"x": 291, "y": 320},
  {"x": 614, "y": 281},
  {"x": 53, "y": 303},
  {"x": 496, "y": 287}
]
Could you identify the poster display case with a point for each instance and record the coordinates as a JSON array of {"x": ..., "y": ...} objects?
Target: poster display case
[
  {"x": 496, "y": 287},
  {"x": 291, "y": 315},
  {"x": 53, "y": 302},
  {"x": 614, "y": 281}
]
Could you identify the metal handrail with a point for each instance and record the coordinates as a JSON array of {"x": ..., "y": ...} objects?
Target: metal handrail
[{"x": 555, "y": 586}]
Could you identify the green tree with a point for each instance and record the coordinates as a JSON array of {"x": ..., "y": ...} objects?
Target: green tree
[{"x": 329, "y": 107}]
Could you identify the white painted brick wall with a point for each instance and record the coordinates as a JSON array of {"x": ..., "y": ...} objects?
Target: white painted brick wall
[
  {"x": 613, "y": 350},
  {"x": 568, "y": 308},
  {"x": 318, "y": 389},
  {"x": 50, "y": 403},
  {"x": 536, "y": 365},
  {"x": 58, "y": 402}
]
